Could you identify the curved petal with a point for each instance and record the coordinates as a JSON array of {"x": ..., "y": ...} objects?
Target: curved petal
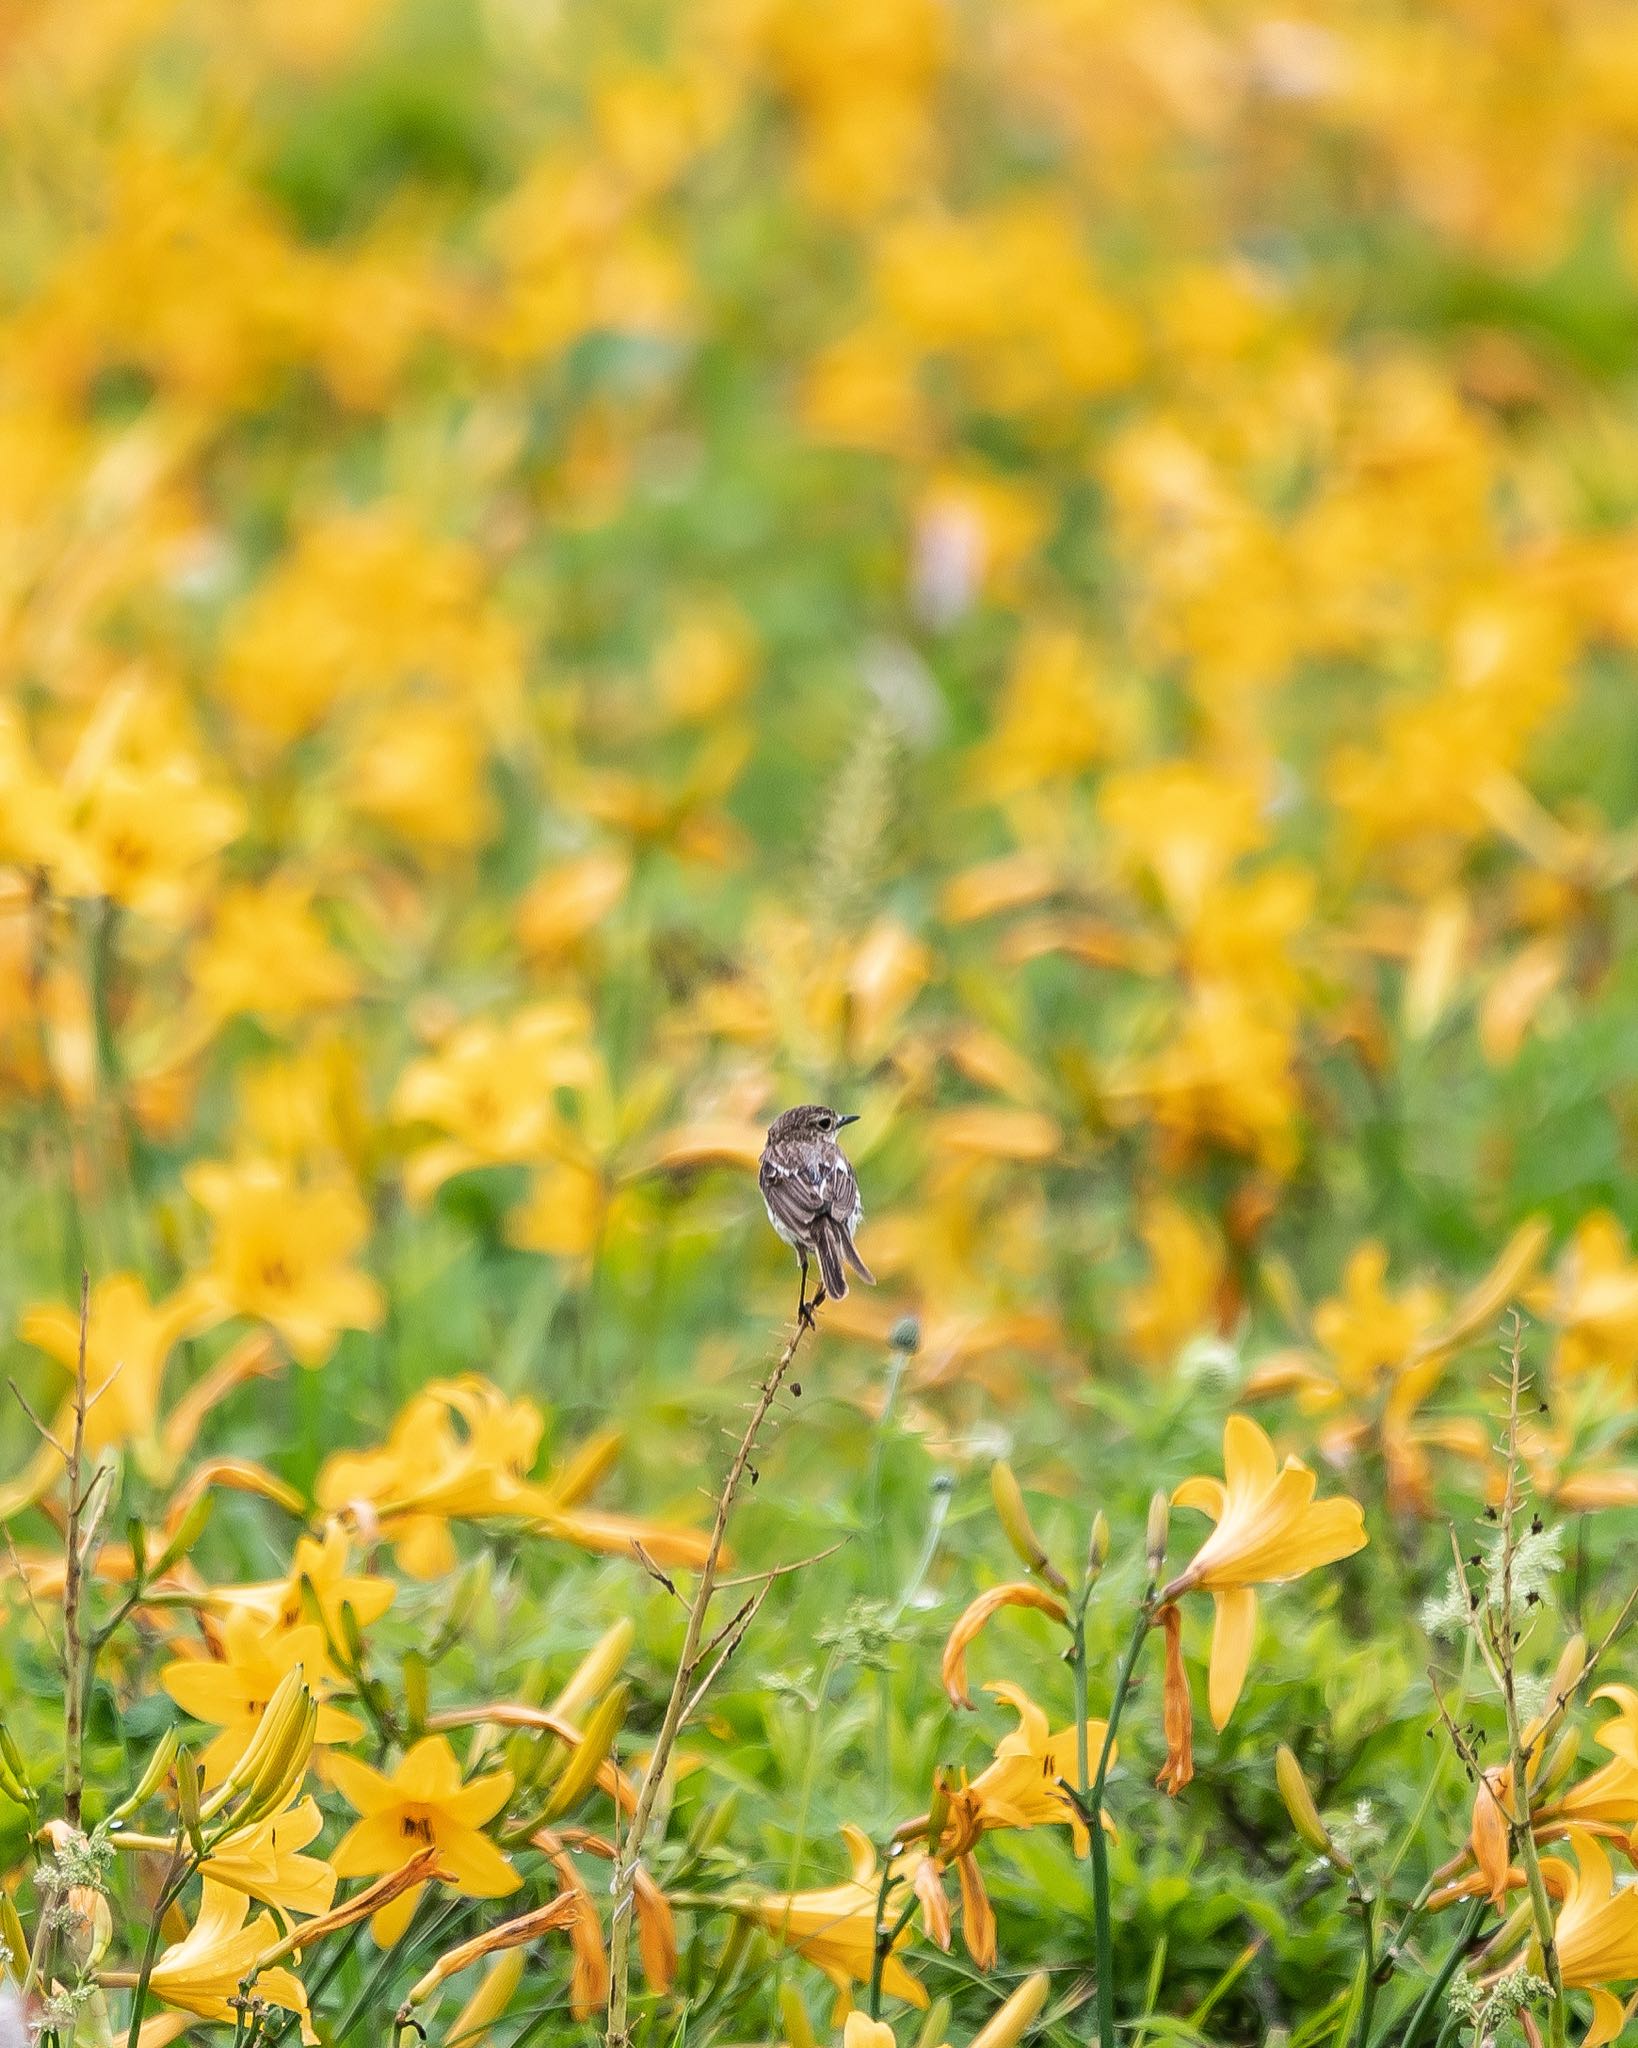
[
  {"x": 1249, "y": 1463},
  {"x": 1609, "y": 2017},
  {"x": 1209, "y": 1495},
  {"x": 1231, "y": 1640},
  {"x": 480, "y": 1801}
]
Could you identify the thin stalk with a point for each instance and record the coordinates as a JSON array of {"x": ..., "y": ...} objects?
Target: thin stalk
[
  {"x": 629, "y": 1860},
  {"x": 1102, "y": 1919},
  {"x": 1367, "y": 1992},
  {"x": 1524, "y": 1831},
  {"x": 887, "y": 1939},
  {"x": 75, "y": 1674},
  {"x": 169, "y": 1892}
]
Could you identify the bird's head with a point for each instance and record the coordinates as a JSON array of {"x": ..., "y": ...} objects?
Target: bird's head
[{"x": 808, "y": 1120}]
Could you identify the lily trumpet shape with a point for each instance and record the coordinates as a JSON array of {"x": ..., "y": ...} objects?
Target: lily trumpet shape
[{"x": 1269, "y": 1529}]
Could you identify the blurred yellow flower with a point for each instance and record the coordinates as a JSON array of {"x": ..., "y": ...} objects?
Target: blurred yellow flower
[
  {"x": 489, "y": 1089},
  {"x": 568, "y": 901},
  {"x": 1368, "y": 1333},
  {"x": 267, "y": 955},
  {"x": 835, "y": 1926},
  {"x": 417, "y": 769},
  {"x": 318, "y": 1571},
  {"x": 1183, "y": 1295},
  {"x": 1594, "y": 1301},
  {"x": 281, "y": 1253},
  {"x": 1182, "y": 826},
  {"x": 1054, "y": 717},
  {"x": 128, "y": 1343}
]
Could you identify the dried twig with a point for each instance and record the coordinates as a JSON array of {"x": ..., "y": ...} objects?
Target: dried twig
[
  {"x": 687, "y": 1690},
  {"x": 74, "y": 1545}
]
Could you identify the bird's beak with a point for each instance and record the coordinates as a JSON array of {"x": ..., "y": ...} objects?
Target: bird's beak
[{"x": 845, "y": 1120}]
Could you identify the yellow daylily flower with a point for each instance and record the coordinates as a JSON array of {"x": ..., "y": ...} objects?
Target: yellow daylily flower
[
  {"x": 423, "y": 1804},
  {"x": 128, "y": 1343},
  {"x": 282, "y": 1254},
  {"x": 323, "y": 1565},
  {"x": 267, "y": 955},
  {"x": 203, "y": 1972},
  {"x": 1269, "y": 1529},
  {"x": 1609, "y": 1794},
  {"x": 1595, "y": 1931},
  {"x": 835, "y": 1926},
  {"x": 1023, "y": 1787},
  {"x": 230, "y": 1691},
  {"x": 265, "y": 1862},
  {"x": 462, "y": 1451},
  {"x": 1594, "y": 1301}
]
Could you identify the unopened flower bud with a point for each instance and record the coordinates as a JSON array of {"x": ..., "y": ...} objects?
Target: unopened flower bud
[
  {"x": 935, "y": 2028},
  {"x": 1559, "y": 1764},
  {"x": 1572, "y": 1663},
  {"x": 1097, "y": 1549},
  {"x": 1016, "y": 1525},
  {"x": 1011, "y": 2021},
  {"x": 1160, "y": 1525},
  {"x": 187, "y": 1798},
  {"x": 1299, "y": 1804}
]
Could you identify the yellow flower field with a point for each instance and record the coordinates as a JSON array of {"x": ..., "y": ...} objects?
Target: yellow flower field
[{"x": 1058, "y": 579}]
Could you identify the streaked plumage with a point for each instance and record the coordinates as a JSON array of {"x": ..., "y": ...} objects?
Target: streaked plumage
[{"x": 812, "y": 1197}]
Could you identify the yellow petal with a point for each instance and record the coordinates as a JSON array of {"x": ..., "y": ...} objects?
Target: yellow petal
[
  {"x": 474, "y": 1865},
  {"x": 362, "y": 1786},
  {"x": 1248, "y": 1456},
  {"x": 1231, "y": 1640},
  {"x": 1019, "y": 1593},
  {"x": 1209, "y": 1495},
  {"x": 391, "y": 1923},
  {"x": 1609, "y": 2017}
]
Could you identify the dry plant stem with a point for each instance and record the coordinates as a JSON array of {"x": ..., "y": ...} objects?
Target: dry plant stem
[
  {"x": 1502, "y": 1638},
  {"x": 74, "y": 1674},
  {"x": 686, "y": 1693}
]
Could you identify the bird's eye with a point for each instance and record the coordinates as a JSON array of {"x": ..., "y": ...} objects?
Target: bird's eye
[{"x": 826, "y": 1121}]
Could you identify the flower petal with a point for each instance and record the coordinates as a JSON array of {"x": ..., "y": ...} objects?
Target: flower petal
[{"x": 1231, "y": 1640}]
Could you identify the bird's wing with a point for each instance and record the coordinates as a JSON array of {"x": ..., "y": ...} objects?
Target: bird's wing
[
  {"x": 798, "y": 1190},
  {"x": 794, "y": 1195},
  {"x": 842, "y": 1192}
]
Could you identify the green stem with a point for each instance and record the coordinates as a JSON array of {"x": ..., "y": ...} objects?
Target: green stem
[
  {"x": 886, "y": 1941},
  {"x": 169, "y": 1892},
  {"x": 1103, "y": 1931},
  {"x": 1367, "y": 1990},
  {"x": 878, "y": 1961},
  {"x": 1428, "y": 2005}
]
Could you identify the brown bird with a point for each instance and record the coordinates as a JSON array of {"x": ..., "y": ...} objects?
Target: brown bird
[{"x": 812, "y": 1197}]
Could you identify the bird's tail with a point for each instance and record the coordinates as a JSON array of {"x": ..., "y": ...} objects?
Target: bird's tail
[
  {"x": 828, "y": 1240},
  {"x": 855, "y": 1261}
]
